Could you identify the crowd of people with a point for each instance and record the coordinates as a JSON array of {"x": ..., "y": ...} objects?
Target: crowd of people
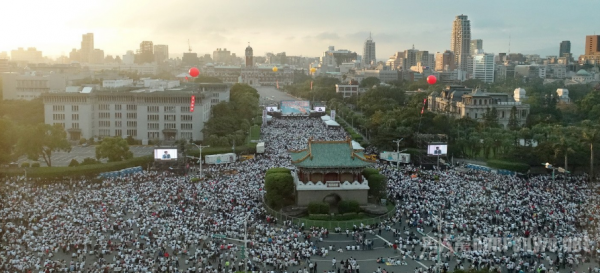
[{"x": 162, "y": 222}]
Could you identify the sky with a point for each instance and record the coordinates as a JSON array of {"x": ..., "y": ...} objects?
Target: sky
[{"x": 299, "y": 28}]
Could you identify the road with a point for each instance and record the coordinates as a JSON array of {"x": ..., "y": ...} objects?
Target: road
[
  {"x": 270, "y": 94},
  {"x": 61, "y": 159}
]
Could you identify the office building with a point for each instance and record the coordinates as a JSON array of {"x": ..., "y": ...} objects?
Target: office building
[
  {"x": 3, "y": 65},
  {"x": 141, "y": 114},
  {"x": 129, "y": 57},
  {"x": 349, "y": 90},
  {"x": 397, "y": 62},
  {"x": 97, "y": 56},
  {"x": 29, "y": 56},
  {"x": 222, "y": 56},
  {"x": 161, "y": 53},
  {"x": 369, "y": 57},
  {"x": 592, "y": 44},
  {"x": 444, "y": 61},
  {"x": 87, "y": 48},
  {"x": 146, "y": 53},
  {"x": 459, "y": 102},
  {"x": 475, "y": 45},
  {"x": 460, "y": 42},
  {"x": 565, "y": 48},
  {"x": 190, "y": 59},
  {"x": 484, "y": 67}
]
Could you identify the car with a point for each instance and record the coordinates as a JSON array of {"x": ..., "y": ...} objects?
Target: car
[{"x": 84, "y": 145}]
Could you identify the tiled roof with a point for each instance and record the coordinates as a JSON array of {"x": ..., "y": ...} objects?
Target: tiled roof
[{"x": 329, "y": 154}]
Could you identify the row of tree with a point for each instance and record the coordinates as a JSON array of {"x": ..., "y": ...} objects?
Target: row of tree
[{"x": 230, "y": 121}]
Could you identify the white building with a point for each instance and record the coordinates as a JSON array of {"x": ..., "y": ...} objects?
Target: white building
[
  {"x": 563, "y": 95},
  {"x": 483, "y": 67},
  {"x": 141, "y": 114},
  {"x": 144, "y": 69},
  {"x": 117, "y": 83},
  {"x": 520, "y": 94},
  {"x": 129, "y": 58},
  {"x": 349, "y": 90}
]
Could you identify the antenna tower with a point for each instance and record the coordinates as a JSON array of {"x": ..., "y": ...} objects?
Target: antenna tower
[{"x": 189, "y": 46}]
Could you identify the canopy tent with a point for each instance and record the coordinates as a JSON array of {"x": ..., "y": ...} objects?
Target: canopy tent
[
  {"x": 325, "y": 118},
  {"x": 356, "y": 146},
  {"x": 332, "y": 123}
]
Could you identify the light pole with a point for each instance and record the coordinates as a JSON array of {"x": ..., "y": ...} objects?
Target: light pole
[
  {"x": 549, "y": 166},
  {"x": 245, "y": 257},
  {"x": 200, "y": 157},
  {"x": 397, "y": 141}
]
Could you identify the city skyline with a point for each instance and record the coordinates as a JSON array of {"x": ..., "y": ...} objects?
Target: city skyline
[{"x": 232, "y": 25}]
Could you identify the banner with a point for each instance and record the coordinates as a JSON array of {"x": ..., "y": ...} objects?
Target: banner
[
  {"x": 277, "y": 84},
  {"x": 264, "y": 117},
  {"x": 423, "y": 108},
  {"x": 192, "y": 104},
  {"x": 332, "y": 115},
  {"x": 311, "y": 83}
]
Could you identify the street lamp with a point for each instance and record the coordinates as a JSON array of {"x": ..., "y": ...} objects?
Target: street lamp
[
  {"x": 244, "y": 256},
  {"x": 397, "y": 141},
  {"x": 200, "y": 156},
  {"x": 549, "y": 166}
]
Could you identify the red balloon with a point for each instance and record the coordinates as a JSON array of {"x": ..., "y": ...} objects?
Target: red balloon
[
  {"x": 194, "y": 72},
  {"x": 431, "y": 79},
  {"x": 186, "y": 78}
]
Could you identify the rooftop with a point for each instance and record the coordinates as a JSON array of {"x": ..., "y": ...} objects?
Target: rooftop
[{"x": 329, "y": 154}]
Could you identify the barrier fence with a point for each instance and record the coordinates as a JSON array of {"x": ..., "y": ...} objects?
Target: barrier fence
[{"x": 329, "y": 224}]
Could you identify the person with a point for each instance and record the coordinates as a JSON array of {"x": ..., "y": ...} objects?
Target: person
[
  {"x": 437, "y": 151},
  {"x": 166, "y": 155}
]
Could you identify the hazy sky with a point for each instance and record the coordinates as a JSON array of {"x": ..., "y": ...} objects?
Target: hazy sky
[{"x": 297, "y": 27}]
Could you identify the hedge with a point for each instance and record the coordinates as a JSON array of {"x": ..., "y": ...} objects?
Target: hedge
[
  {"x": 348, "y": 206},
  {"x": 318, "y": 208},
  {"x": 278, "y": 170},
  {"x": 87, "y": 170},
  {"x": 508, "y": 165},
  {"x": 369, "y": 171}
]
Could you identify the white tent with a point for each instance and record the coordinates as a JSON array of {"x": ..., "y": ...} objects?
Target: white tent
[
  {"x": 332, "y": 123},
  {"x": 325, "y": 118},
  {"x": 356, "y": 146}
]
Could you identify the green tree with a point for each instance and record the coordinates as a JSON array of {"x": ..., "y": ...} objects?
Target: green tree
[
  {"x": 113, "y": 148},
  {"x": 42, "y": 140},
  {"x": 280, "y": 189},
  {"x": 8, "y": 139},
  {"x": 591, "y": 136},
  {"x": 513, "y": 123},
  {"x": 207, "y": 79},
  {"x": 369, "y": 82}
]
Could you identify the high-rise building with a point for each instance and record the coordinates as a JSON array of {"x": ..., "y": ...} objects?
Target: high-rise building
[
  {"x": 475, "y": 45},
  {"x": 444, "y": 61},
  {"x": 249, "y": 57},
  {"x": 31, "y": 55},
  {"x": 129, "y": 57},
  {"x": 461, "y": 41},
  {"x": 369, "y": 52},
  {"x": 3, "y": 65},
  {"x": 161, "y": 53},
  {"x": 592, "y": 44},
  {"x": 410, "y": 56},
  {"x": 221, "y": 56},
  {"x": 422, "y": 58},
  {"x": 145, "y": 53},
  {"x": 483, "y": 67},
  {"x": 87, "y": 47},
  {"x": 97, "y": 56},
  {"x": 565, "y": 47}
]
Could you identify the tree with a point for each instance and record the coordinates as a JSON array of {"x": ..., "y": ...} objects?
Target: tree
[
  {"x": 8, "y": 139},
  {"x": 280, "y": 189},
  {"x": 513, "y": 123},
  {"x": 42, "y": 140},
  {"x": 591, "y": 135},
  {"x": 563, "y": 146},
  {"x": 113, "y": 148},
  {"x": 207, "y": 79},
  {"x": 369, "y": 82}
]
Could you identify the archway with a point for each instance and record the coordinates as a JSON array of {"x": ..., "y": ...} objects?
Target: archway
[{"x": 333, "y": 199}]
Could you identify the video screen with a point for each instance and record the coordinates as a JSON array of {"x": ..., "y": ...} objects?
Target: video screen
[
  {"x": 319, "y": 108},
  {"x": 165, "y": 154},
  {"x": 437, "y": 149},
  {"x": 271, "y": 108},
  {"x": 291, "y": 107}
]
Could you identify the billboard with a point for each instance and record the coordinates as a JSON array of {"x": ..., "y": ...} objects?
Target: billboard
[
  {"x": 395, "y": 156},
  {"x": 272, "y": 108},
  {"x": 295, "y": 107},
  {"x": 319, "y": 108},
  {"x": 437, "y": 149},
  {"x": 165, "y": 154}
]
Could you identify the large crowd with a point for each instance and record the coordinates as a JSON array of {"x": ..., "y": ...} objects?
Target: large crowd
[{"x": 162, "y": 222}]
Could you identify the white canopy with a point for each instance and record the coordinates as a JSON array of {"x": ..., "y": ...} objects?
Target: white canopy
[
  {"x": 356, "y": 146},
  {"x": 325, "y": 118},
  {"x": 332, "y": 123}
]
